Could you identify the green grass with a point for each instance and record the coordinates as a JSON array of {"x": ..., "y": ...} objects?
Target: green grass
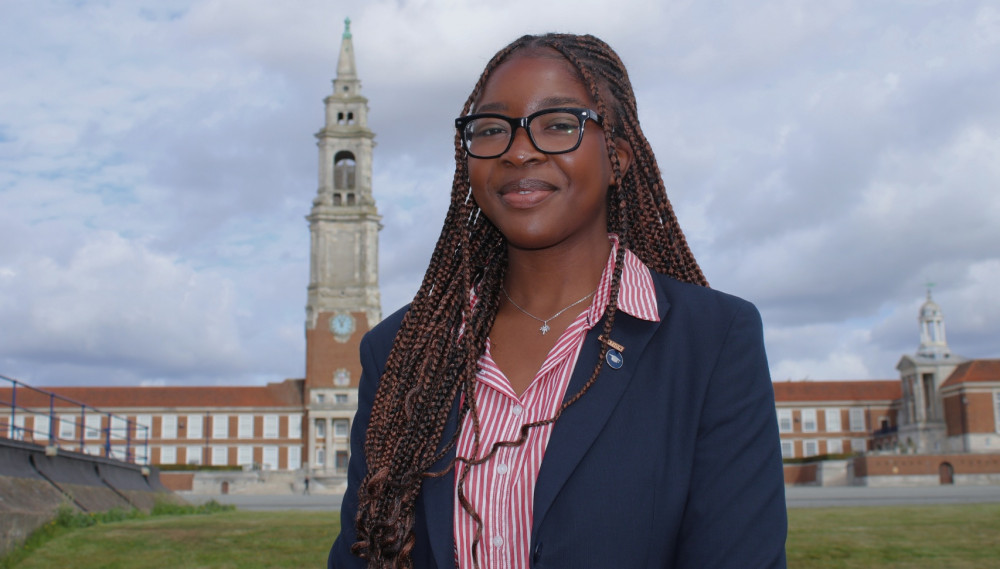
[
  {"x": 951, "y": 536},
  {"x": 959, "y": 537}
]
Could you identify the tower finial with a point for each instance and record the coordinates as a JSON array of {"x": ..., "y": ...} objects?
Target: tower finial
[{"x": 347, "y": 28}]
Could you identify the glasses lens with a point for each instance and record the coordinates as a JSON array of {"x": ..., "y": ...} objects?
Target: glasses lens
[
  {"x": 487, "y": 136},
  {"x": 556, "y": 131}
]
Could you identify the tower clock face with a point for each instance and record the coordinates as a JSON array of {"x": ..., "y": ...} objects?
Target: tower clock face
[{"x": 342, "y": 325}]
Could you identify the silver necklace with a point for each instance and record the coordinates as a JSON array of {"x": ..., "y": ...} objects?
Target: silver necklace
[{"x": 544, "y": 329}]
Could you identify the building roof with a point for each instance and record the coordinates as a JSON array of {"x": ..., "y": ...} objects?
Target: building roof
[
  {"x": 886, "y": 391},
  {"x": 975, "y": 371},
  {"x": 288, "y": 393}
]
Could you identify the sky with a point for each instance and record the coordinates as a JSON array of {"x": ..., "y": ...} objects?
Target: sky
[{"x": 826, "y": 160}]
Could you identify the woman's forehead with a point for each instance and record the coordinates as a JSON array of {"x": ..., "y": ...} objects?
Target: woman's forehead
[{"x": 549, "y": 81}]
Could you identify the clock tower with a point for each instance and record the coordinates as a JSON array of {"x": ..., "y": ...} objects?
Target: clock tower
[{"x": 343, "y": 297}]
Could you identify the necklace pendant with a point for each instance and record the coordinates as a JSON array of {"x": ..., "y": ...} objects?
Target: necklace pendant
[{"x": 545, "y": 328}]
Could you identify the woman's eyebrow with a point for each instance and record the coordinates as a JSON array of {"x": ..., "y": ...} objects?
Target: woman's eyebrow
[{"x": 546, "y": 103}]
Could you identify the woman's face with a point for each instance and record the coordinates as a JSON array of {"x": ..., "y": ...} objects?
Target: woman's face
[{"x": 542, "y": 200}]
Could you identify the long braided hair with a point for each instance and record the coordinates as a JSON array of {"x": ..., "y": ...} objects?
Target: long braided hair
[{"x": 434, "y": 357}]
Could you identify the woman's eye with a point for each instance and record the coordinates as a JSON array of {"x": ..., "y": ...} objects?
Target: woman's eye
[{"x": 488, "y": 130}]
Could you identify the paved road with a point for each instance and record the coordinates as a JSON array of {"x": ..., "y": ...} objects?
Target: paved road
[{"x": 796, "y": 497}]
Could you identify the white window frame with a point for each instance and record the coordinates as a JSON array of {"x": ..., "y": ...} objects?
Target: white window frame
[
  {"x": 810, "y": 447},
  {"x": 17, "y": 428},
  {"x": 220, "y": 426},
  {"x": 143, "y": 421},
  {"x": 787, "y": 449},
  {"x": 858, "y": 445},
  {"x": 294, "y": 458},
  {"x": 139, "y": 452},
  {"x": 193, "y": 455},
  {"x": 269, "y": 459},
  {"x": 40, "y": 426},
  {"x": 195, "y": 426},
  {"x": 341, "y": 428},
  {"x": 340, "y": 398},
  {"x": 220, "y": 455},
  {"x": 834, "y": 446},
  {"x": 857, "y": 420},
  {"x": 119, "y": 427},
  {"x": 244, "y": 428},
  {"x": 808, "y": 417},
  {"x": 67, "y": 427},
  {"x": 833, "y": 422},
  {"x": 785, "y": 424},
  {"x": 168, "y": 427},
  {"x": 295, "y": 426},
  {"x": 92, "y": 427},
  {"x": 244, "y": 455},
  {"x": 270, "y": 427},
  {"x": 168, "y": 454}
]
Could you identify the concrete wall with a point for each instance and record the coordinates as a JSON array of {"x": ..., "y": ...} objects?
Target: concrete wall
[{"x": 34, "y": 484}]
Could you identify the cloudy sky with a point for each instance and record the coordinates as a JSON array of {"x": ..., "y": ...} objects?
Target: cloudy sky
[{"x": 157, "y": 159}]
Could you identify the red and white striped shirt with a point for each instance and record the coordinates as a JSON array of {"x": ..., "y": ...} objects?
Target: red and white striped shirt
[{"x": 501, "y": 490}]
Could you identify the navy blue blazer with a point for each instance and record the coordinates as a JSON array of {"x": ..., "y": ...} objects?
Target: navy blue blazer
[{"x": 673, "y": 460}]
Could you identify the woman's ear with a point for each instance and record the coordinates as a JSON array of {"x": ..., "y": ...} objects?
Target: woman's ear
[{"x": 623, "y": 150}]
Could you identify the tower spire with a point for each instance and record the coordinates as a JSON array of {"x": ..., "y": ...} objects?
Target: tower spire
[
  {"x": 933, "y": 343},
  {"x": 345, "y": 64}
]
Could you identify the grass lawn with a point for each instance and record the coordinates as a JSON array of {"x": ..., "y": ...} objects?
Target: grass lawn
[{"x": 959, "y": 537}]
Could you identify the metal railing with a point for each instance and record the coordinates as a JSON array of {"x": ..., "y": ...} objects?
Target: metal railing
[{"x": 66, "y": 426}]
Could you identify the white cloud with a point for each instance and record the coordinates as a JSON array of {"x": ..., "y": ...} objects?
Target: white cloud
[{"x": 157, "y": 159}]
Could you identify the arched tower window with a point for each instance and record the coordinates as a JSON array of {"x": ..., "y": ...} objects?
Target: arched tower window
[{"x": 343, "y": 170}]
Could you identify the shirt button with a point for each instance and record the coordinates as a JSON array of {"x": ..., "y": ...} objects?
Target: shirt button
[
  {"x": 516, "y": 409},
  {"x": 501, "y": 469},
  {"x": 497, "y": 541}
]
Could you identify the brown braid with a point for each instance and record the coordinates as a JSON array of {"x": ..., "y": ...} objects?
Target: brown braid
[{"x": 434, "y": 357}]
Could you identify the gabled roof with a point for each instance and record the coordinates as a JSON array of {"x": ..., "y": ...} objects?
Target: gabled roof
[
  {"x": 288, "y": 393},
  {"x": 975, "y": 371},
  {"x": 883, "y": 391}
]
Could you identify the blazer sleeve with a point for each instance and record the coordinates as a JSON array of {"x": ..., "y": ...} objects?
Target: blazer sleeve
[
  {"x": 735, "y": 514},
  {"x": 371, "y": 370}
]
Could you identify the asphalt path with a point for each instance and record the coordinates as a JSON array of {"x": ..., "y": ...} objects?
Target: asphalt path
[{"x": 795, "y": 497}]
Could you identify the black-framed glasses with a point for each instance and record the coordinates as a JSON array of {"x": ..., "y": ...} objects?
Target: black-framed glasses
[{"x": 552, "y": 131}]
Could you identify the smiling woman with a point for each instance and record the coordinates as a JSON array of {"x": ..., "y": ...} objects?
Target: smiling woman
[{"x": 640, "y": 433}]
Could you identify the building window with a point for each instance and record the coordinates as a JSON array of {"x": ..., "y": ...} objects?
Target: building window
[
  {"x": 340, "y": 460},
  {"x": 194, "y": 427},
  {"x": 143, "y": 427},
  {"x": 119, "y": 427},
  {"x": 344, "y": 168},
  {"x": 295, "y": 427},
  {"x": 244, "y": 455},
  {"x": 832, "y": 417},
  {"x": 118, "y": 452},
  {"x": 17, "y": 428},
  {"x": 808, "y": 421},
  {"x": 294, "y": 458},
  {"x": 320, "y": 428},
  {"x": 320, "y": 398},
  {"x": 857, "y": 419},
  {"x": 784, "y": 420},
  {"x": 193, "y": 455},
  {"x": 269, "y": 458},
  {"x": 834, "y": 446},
  {"x": 220, "y": 427},
  {"x": 787, "y": 449},
  {"x": 244, "y": 428},
  {"x": 92, "y": 427},
  {"x": 168, "y": 427},
  {"x": 858, "y": 445},
  {"x": 220, "y": 456},
  {"x": 810, "y": 448},
  {"x": 168, "y": 455},
  {"x": 340, "y": 398},
  {"x": 270, "y": 426},
  {"x": 341, "y": 427},
  {"x": 67, "y": 427},
  {"x": 40, "y": 427}
]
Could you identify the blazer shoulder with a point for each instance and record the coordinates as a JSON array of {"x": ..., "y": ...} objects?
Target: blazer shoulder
[
  {"x": 383, "y": 334},
  {"x": 689, "y": 297}
]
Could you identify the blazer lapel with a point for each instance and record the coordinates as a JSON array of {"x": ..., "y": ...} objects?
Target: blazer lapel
[{"x": 583, "y": 421}]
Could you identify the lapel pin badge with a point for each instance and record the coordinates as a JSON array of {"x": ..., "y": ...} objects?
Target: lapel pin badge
[{"x": 614, "y": 355}]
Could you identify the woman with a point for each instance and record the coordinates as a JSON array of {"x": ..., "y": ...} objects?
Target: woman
[{"x": 564, "y": 390}]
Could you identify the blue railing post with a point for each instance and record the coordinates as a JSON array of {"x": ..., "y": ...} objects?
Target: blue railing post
[
  {"x": 107, "y": 439},
  {"x": 13, "y": 410},
  {"x": 128, "y": 440},
  {"x": 52, "y": 419},
  {"x": 83, "y": 426}
]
